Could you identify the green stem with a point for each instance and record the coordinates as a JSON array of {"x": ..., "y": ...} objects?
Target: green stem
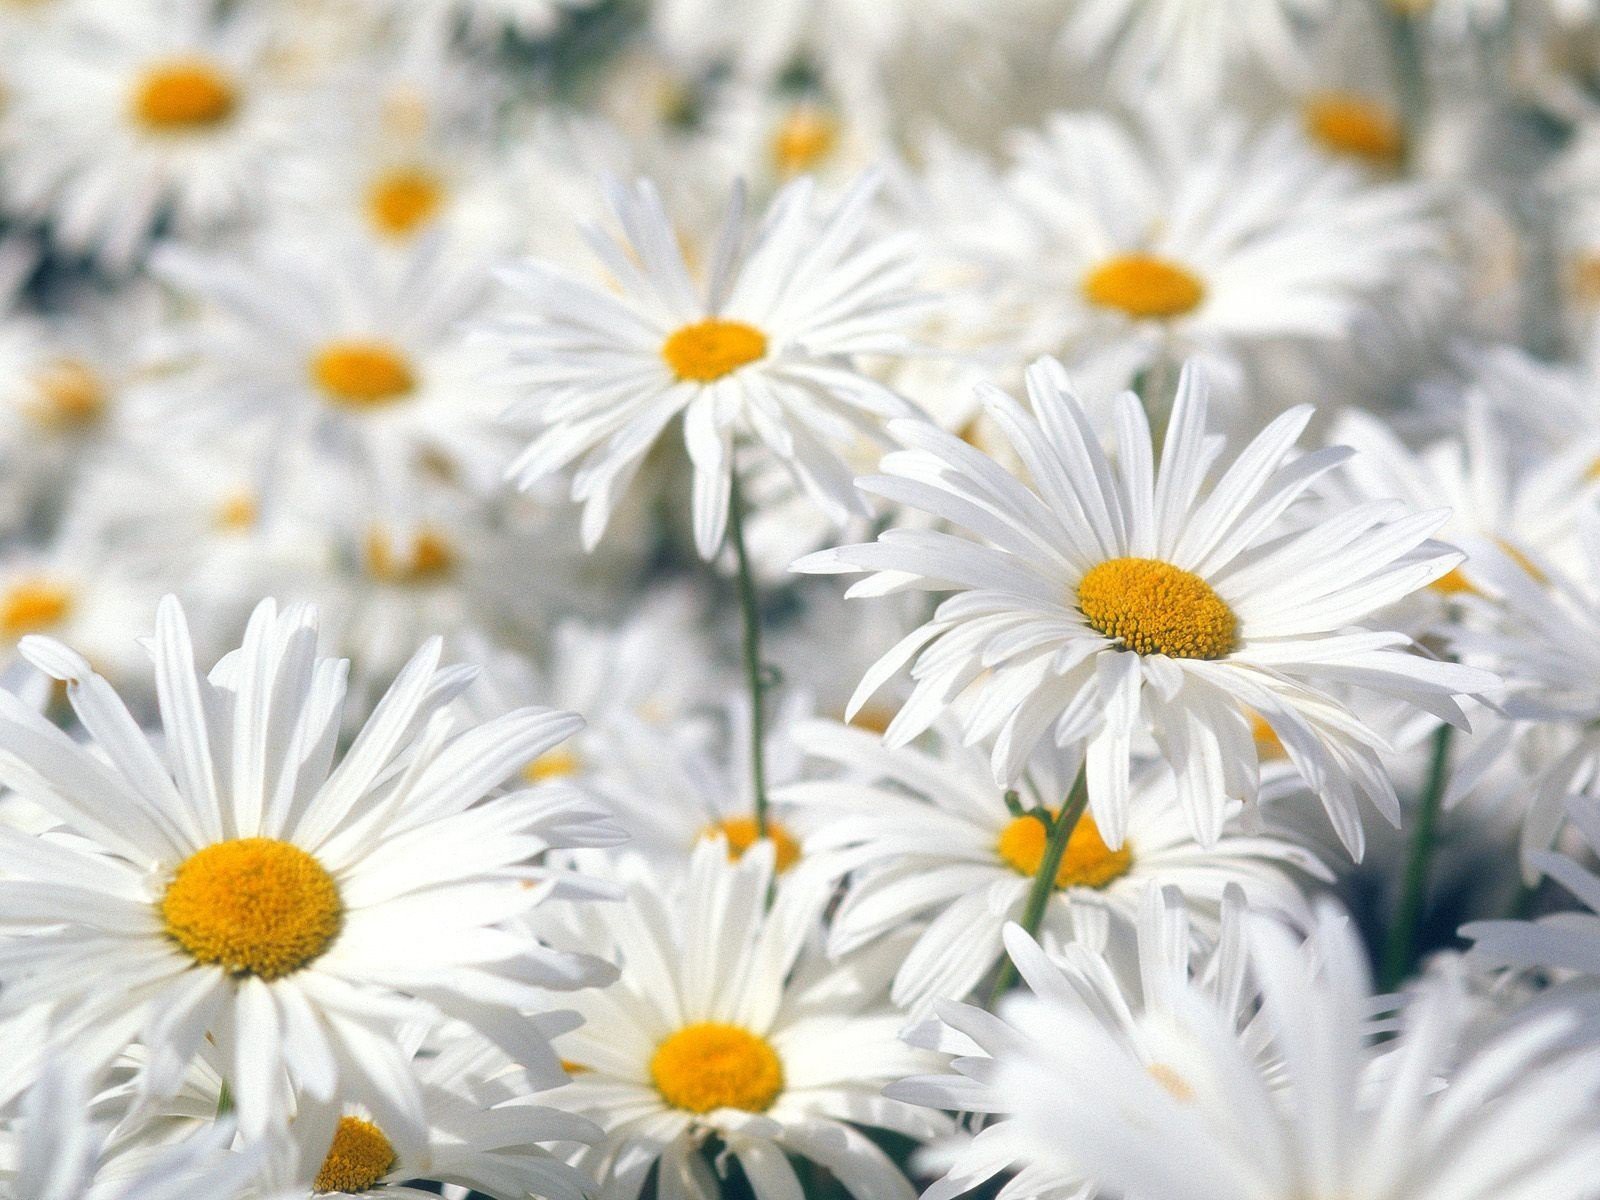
[
  {"x": 755, "y": 676},
  {"x": 1400, "y": 949},
  {"x": 1410, "y": 79},
  {"x": 1044, "y": 880},
  {"x": 224, "y": 1100}
]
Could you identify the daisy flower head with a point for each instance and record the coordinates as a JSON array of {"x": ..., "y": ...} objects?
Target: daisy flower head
[
  {"x": 1342, "y": 1111},
  {"x": 1134, "y": 1001},
  {"x": 154, "y": 113},
  {"x": 488, "y": 21},
  {"x": 253, "y": 889},
  {"x": 731, "y": 1023},
  {"x": 926, "y": 840},
  {"x": 1114, "y": 599},
  {"x": 762, "y": 349}
]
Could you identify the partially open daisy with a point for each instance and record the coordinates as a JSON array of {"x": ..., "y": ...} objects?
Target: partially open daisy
[
  {"x": 1110, "y": 601},
  {"x": 155, "y": 112},
  {"x": 922, "y": 838},
  {"x": 761, "y": 347},
  {"x": 290, "y": 905},
  {"x": 730, "y": 1022}
]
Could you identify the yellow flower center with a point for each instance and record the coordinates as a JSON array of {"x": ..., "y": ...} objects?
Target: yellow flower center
[
  {"x": 359, "y": 1157},
  {"x": 237, "y": 513},
  {"x": 402, "y": 201},
  {"x": 1584, "y": 280},
  {"x": 1268, "y": 743},
  {"x": 804, "y": 140},
  {"x": 711, "y": 1065},
  {"x": 1153, "y": 607},
  {"x": 427, "y": 558},
  {"x": 1349, "y": 124},
  {"x": 359, "y": 374},
  {"x": 559, "y": 763},
  {"x": 1176, "y": 1085},
  {"x": 185, "y": 95},
  {"x": 712, "y": 348},
  {"x": 33, "y": 605},
  {"x": 1143, "y": 285},
  {"x": 1455, "y": 582},
  {"x": 69, "y": 395},
  {"x": 741, "y": 835},
  {"x": 1088, "y": 862},
  {"x": 253, "y": 906}
]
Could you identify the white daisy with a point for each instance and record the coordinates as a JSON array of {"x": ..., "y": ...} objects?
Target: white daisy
[
  {"x": 1132, "y": 999},
  {"x": 763, "y": 349},
  {"x": 1107, "y": 601},
  {"x": 925, "y": 838},
  {"x": 1347, "y": 1114},
  {"x": 730, "y": 1023},
  {"x": 488, "y": 20},
  {"x": 243, "y": 888},
  {"x": 150, "y": 113}
]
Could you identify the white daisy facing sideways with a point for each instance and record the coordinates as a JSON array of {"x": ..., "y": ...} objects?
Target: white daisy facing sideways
[
  {"x": 1114, "y": 599},
  {"x": 730, "y": 1021},
  {"x": 762, "y": 346},
  {"x": 252, "y": 888}
]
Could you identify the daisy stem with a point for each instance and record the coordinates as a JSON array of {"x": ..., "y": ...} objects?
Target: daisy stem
[
  {"x": 1409, "y": 75},
  {"x": 224, "y": 1100},
  {"x": 1044, "y": 880},
  {"x": 1400, "y": 949},
  {"x": 755, "y": 673}
]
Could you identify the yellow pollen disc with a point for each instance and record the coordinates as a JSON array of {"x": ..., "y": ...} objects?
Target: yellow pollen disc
[
  {"x": 1175, "y": 1084},
  {"x": 237, "y": 513},
  {"x": 32, "y": 606},
  {"x": 1585, "y": 280},
  {"x": 1346, "y": 123},
  {"x": 559, "y": 763},
  {"x": 712, "y": 348},
  {"x": 874, "y": 718},
  {"x": 1268, "y": 744},
  {"x": 253, "y": 906},
  {"x": 404, "y": 200},
  {"x": 428, "y": 558},
  {"x": 1143, "y": 285},
  {"x": 1453, "y": 583},
  {"x": 184, "y": 95},
  {"x": 804, "y": 140},
  {"x": 1153, "y": 607},
  {"x": 710, "y": 1065},
  {"x": 359, "y": 1157},
  {"x": 741, "y": 835},
  {"x": 1088, "y": 862},
  {"x": 70, "y": 395},
  {"x": 362, "y": 374}
]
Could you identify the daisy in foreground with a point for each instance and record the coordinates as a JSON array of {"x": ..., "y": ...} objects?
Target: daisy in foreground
[
  {"x": 1344, "y": 1115},
  {"x": 1108, "y": 601},
  {"x": 762, "y": 348},
  {"x": 730, "y": 1023},
  {"x": 926, "y": 835},
  {"x": 254, "y": 889}
]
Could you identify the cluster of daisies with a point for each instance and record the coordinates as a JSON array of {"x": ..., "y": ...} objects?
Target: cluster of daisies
[{"x": 438, "y": 755}]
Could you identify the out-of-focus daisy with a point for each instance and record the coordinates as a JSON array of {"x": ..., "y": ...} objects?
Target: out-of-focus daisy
[
  {"x": 1345, "y": 1114},
  {"x": 763, "y": 348},
  {"x": 257, "y": 895},
  {"x": 1124, "y": 247},
  {"x": 145, "y": 114},
  {"x": 348, "y": 353},
  {"x": 1107, "y": 601},
  {"x": 1132, "y": 995},
  {"x": 927, "y": 837},
  {"x": 729, "y": 1021},
  {"x": 487, "y": 20}
]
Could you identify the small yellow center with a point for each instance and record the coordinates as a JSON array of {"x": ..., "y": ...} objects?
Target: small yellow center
[
  {"x": 426, "y": 558},
  {"x": 1088, "y": 862},
  {"x": 711, "y": 1065},
  {"x": 69, "y": 395},
  {"x": 1584, "y": 280},
  {"x": 1175, "y": 1085},
  {"x": 253, "y": 906},
  {"x": 359, "y": 1157},
  {"x": 184, "y": 95},
  {"x": 1353, "y": 125},
  {"x": 1268, "y": 743},
  {"x": 1455, "y": 582},
  {"x": 741, "y": 835},
  {"x": 402, "y": 201},
  {"x": 237, "y": 513},
  {"x": 32, "y": 606},
  {"x": 1143, "y": 285},
  {"x": 1153, "y": 607},
  {"x": 712, "y": 348},
  {"x": 559, "y": 763},
  {"x": 360, "y": 374},
  {"x": 804, "y": 140}
]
